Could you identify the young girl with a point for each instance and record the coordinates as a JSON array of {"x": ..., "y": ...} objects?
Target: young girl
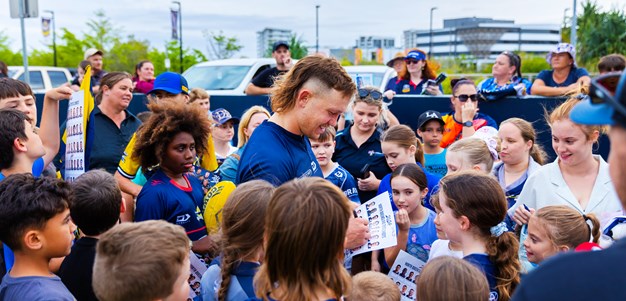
[
  {"x": 442, "y": 246},
  {"x": 223, "y": 132},
  {"x": 470, "y": 153},
  {"x": 443, "y": 273},
  {"x": 242, "y": 243},
  {"x": 167, "y": 145},
  {"x": 416, "y": 227},
  {"x": 554, "y": 229},
  {"x": 303, "y": 215},
  {"x": 473, "y": 207}
]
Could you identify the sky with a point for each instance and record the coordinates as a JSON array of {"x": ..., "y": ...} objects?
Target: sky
[{"x": 341, "y": 22}]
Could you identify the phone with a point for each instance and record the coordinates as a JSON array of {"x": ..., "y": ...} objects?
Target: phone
[
  {"x": 365, "y": 171},
  {"x": 435, "y": 82}
]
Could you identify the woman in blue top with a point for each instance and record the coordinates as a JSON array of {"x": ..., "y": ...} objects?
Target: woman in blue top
[
  {"x": 564, "y": 76},
  {"x": 413, "y": 79},
  {"x": 507, "y": 78}
]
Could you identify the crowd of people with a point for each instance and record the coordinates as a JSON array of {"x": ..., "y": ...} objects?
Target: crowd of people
[{"x": 475, "y": 200}]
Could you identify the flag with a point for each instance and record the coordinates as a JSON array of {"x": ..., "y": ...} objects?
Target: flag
[
  {"x": 45, "y": 26},
  {"x": 174, "y": 17}
]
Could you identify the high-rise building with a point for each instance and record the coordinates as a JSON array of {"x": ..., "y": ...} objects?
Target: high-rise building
[{"x": 269, "y": 36}]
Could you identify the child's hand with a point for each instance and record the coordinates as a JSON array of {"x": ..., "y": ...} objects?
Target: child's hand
[
  {"x": 403, "y": 221},
  {"x": 59, "y": 93},
  {"x": 369, "y": 184}
]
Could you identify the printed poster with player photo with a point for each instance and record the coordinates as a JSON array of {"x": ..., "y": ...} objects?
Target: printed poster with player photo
[
  {"x": 196, "y": 271},
  {"x": 403, "y": 272},
  {"x": 382, "y": 224},
  {"x": 75, "y": 143}
]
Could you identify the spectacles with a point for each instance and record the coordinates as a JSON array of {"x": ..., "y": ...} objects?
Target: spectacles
[
  {"x": 376, "y": 95},
  {"x": 602, "y": 90},
  {"x": 409, "y": 62},
  {"x": 465, "y": 97}
]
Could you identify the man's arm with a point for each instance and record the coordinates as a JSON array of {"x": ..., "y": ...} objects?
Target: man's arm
[
  {"x": 254, "y": 90},
  {"x": 49, "y": 130}
]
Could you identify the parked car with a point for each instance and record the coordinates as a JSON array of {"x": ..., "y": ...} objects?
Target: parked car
[
  {"x": 226, "y": 77},
  {"x": 42, "y": 78},
  {"x": 377, "y": 75}
]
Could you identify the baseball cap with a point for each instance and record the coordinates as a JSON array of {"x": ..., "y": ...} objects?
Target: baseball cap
[
  {"x": 398, "y": 56},
  {"x": 92, "y": 52},
  {"x": 428, "y": 116},
  {"x": 606, "y": 102},
  {"x": 278, "y": 44},
  {"x": 170, "y": 82},
  {"x": 562, "y": 48},
  {"x": 221, "y": 116},
  {"x": 417, "y": 55}
]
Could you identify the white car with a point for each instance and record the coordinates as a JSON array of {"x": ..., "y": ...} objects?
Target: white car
[
  {"x": 42, "y": 78},
  {"x": 226, "y": 77},
  {"x": 377, "y": 75}
]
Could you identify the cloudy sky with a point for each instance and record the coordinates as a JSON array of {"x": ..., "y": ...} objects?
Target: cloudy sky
[{"x": 341, "y": 22}]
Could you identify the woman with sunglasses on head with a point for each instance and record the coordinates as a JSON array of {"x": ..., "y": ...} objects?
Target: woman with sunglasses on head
[
  {"x": 564, "y": 77},
  {"x": 414, "y": 78},
  {"x": 464, "y": 119},
  {"x": 143, "y": 80},
  {"x": 507, "y": 77}
]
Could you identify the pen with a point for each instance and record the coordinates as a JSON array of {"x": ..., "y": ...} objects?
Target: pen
[{"x": 526, "y": 207}]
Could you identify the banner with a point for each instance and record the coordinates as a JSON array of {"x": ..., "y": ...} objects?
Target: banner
[
  {"x": 45, "y": 26},
  {"x": 174, "y": 17}
]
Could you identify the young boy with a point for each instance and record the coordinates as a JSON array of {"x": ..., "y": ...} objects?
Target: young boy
[
  {"x": 223, "y": 133},
  {"x": 323, "y": 148},
  {"x": 430, "y": 129},
  {"x": 142, "y": 261},
  {"x": 373, "y": 286},
  {"x": 35, "y": 223},
  {"x": 95, "y": 207}
]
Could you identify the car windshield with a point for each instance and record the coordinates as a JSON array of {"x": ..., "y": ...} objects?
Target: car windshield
[
  {"x": 216, "y": 77},
  {"x": 12, "y": 72},
  {"x": 369, "y": 78}
]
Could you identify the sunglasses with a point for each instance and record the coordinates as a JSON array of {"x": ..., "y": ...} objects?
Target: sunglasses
[
  {"x": 409, "y": 62},
  {"x": 376, "y": 95},
  {"x": 602, "y": 90},
  {"x": 465, "y": 97}
]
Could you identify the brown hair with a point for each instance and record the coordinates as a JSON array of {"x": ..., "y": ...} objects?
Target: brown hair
[
  {"x": 242, "y": 139},
  {"x": 413, "y": 173},
  {"x": 139, "y": 261},
  {"x": 457, "y": 83},
  {"x": 4, "y": 69},
  {"x": 612, "y": 62},
  {"x": 168, "y": 119},
  {"x": 404, "y": 137},
  {"x": 475, "y": 150},
  {"x": 110, "y": 80},
  {"x": 326, "y": 72},
  {"x": 427, "y": 72},
  {"x": 562, "y": 113},
  {"x": 373, "y": 286},
  {"x": 301, "y": 214},
  {"x": 567, "y": 227},
  {"x": 198, "y": 93},
  {"x": 480, "y": 198},
  {"x": 328, "y": 135},
  {"x": 95, "y": 202},
  {"x": 138, "y": 67},
  {"x": 14, "y": 88},
  {"x": 528, "y": 134},
  {"x": 243, "y": 216},
  {"x": 442, "y": 273}
]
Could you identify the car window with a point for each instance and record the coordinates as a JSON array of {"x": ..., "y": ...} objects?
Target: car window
[
  {"x": 216, "y": 77},
  {"x": 369, "y": 78},
  {"x": 57, "y": 78},
  {"x": 36, "y": 80}
]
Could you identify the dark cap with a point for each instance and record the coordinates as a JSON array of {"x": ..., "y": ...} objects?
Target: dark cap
[
  {"x": 428, "y": 116},
  {"x": 278, "y": 44},
  {"x": 221, "y": 116}
]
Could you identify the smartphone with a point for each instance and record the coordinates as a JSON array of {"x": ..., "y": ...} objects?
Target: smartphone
[
  {"x": 437, "y": 81},
  {"x": 365, "y": 171}
]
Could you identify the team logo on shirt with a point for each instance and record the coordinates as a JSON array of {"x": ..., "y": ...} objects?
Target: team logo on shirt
[
  {"x": 313, "y": 166},
  {"x": 182, "y": 219},
  {"x": 339, "y": 174}
]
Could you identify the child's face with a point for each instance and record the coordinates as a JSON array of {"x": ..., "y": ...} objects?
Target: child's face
[
  {"x": 433, "y": 131},
  {"x": 255, "y": 121},
  {"x": 406, "y": 194},
  {"x": 179, "y": 154},
  {"x": 457, "y": 161},
  {"x": 538, "y": 245},
  {"x": 34, "y": 146},
  {"x": 397, "y": 155},
  {"x": 204, "y": 103},
  {"x": 440, "y": 233},
  {"x": 181, "y": 286},
  {"x": 513, "y": 147},
  {"x": 224, "y": 132},
  {"x": 25, "y": 104},
  {"x": 58, "y": 234},
  {"x": 323, "y": 151},
  {"x": 450, "y": 224}
]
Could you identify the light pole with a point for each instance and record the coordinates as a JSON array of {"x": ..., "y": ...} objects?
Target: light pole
[
  {"x": 574, "y": 27},
  {"x": 54, "y": 35},
  {"x": 430, "y": 47},
  {"x": 317, "y": 29},
  {"x": 180, "y": 34}
]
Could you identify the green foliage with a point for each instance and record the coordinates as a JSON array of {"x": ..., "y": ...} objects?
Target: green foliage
[
  {"x": 6, "y": 54},
  {"x": 220, "y": 46},
  {"x": 533, "y": 63},
  {"x": 296, "y": 48},
  {"x": 102, "y": 34},
  {"x": 123, "y": 56},
  {"x": 599, "y": 33}
]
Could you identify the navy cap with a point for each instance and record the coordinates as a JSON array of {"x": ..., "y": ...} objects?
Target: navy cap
[
  {"x": 428, "y": 116},
  {"x": 278, "y": 44},
  {"x": 604, "y": 113},
  {"x": 415, "y": 55},
  {"x": 221, "y": 116},
  {"x": 170, "y": 82}
]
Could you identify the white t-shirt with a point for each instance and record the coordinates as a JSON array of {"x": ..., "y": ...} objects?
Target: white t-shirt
[{"x": 440, "y": 248}]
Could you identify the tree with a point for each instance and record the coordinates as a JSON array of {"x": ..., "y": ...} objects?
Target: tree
[
  {"x": 102, "y": 34},
  {"x": 123, "y": 56},
  {"x": 296, "y": 48},
  {"x": 172, "y": 51},
  {"x": 6, "y": 54},
  {"x": 600, "y": 33},
  {"x": 220, "y": 46}
]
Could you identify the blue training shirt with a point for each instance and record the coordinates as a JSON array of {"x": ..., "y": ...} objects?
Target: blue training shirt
[
  {"x": 276, "y": 155},
  {"x": 162, "y": 198},
  {"x": 421, "y": 238},
  {"x": 345, "y": 181}
]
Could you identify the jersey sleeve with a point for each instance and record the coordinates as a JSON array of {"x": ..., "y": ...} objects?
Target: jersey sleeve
[
  {"x": 349, "y": 188},
  {"x": 209, "y": 160},
  {"x": 128, "y": 166}
]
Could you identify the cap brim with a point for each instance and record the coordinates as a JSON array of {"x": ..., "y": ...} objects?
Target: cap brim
[
  {"x": 168, "y": 90},
  {"x": 233, "y": 119},
  {"x": 592, "y": 114},
  {"x": 427, "y": 120}
]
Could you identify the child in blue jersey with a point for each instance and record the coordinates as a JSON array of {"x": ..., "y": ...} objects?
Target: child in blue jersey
[
  {"x": 167, "y": 145},
  {"x": 241, "y": 241},
  {"x": 416, "y": 223},
  {"x": 473, "y": 207},
  {"x": 323, "y": 148},
  {"x": 430, "y": 129}
]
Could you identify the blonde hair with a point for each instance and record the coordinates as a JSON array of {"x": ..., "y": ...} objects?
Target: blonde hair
[
  {"x": 328, "y": 135},
  {"x": 198, "y": 93},
  {"x": 562, "y": 113},
  {"x": 404, "y": 137},
  {"x": 139, "y": 261},
  {"x": 242, "y": 139},
  {"x": 301, "y": 214},
  {"x": 442, "y": 273},
  {"x": 373, "y": 286},
  {"x": 475, "y": 150},
  {"x": 567, "y": 227},
  {"x": 368, "y": 100},
  {"x": 528, "y": 134}
]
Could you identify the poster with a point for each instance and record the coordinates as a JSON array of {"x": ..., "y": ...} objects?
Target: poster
[
  {"x": 75, "y": 143},
  {"x": 382, "y": 224},
  {"x": 196, "y": 271},
  {"x": 403, "y": 272}
]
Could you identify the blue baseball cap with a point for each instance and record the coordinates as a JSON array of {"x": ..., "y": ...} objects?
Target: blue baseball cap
[
  {"x": 277, "y": 45},
  {"x": 221, "y": 116},
  {"x": 170, "y": 82},
  {"x": 603, "y": 110},
  {"x": 415, "y": 55}
]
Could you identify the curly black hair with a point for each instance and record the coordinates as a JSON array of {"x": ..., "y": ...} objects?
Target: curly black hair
[{"x": 167, "y": 120}]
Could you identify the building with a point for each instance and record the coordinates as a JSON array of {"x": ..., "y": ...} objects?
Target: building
[
  {"x": 483, "y": 38},
  {"x": 269, "y": 36}
]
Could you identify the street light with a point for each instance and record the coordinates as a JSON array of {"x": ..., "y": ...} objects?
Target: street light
[
  {"x": 430, "y": 47},
  {"x": 574, "y": 27},
  {"x": 54, "y": 36},
  {"x": 180, "y": 34},
  {"x": 565, "y": 16},
  {"x": 317, "y": 29}
]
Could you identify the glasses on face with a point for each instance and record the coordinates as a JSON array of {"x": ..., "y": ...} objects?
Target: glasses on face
[
  {"x": 602, "y": 90},
  {"x": 409, "y": 62},
  {"x": 465, "y": 97},
  {"x": 376, "y": 95}
]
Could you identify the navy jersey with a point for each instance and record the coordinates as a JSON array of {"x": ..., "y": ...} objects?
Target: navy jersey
[
  {"x": 162, "y": 198},
  {"x": 345, "y": 181},
  {"x": 482, "y": 262},
  {"x": 276, "y": 155}
]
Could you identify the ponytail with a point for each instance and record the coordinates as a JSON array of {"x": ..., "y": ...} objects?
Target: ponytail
[
  {"x": 565, "y": 226},
  {"x": 419, "y": 152},
  {"x": 538, "y": 154},
  {"x": 594, "y": 228},
  {"x": 502, "y": 252}
]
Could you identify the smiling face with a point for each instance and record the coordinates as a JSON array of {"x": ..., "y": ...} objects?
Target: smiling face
[
  {"x": 396, "y": 155},
  {"x": 120, "y": 94},
  {"x": 513, "y": 147},
  {"x": 570, "y": 142},
  {"x": 538, "y": 245},
  {"x": 414, "y": 66},
  {"x": 319, "y": 110},
  {"x": 179, "y": 155},
  {"x": 365, "y": 117},
  {"x": 406, "y": 194},
  {"x": 323, "y": 151}
]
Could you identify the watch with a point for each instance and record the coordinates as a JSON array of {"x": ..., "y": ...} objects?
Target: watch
[{"x": 468, "y": 124}]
